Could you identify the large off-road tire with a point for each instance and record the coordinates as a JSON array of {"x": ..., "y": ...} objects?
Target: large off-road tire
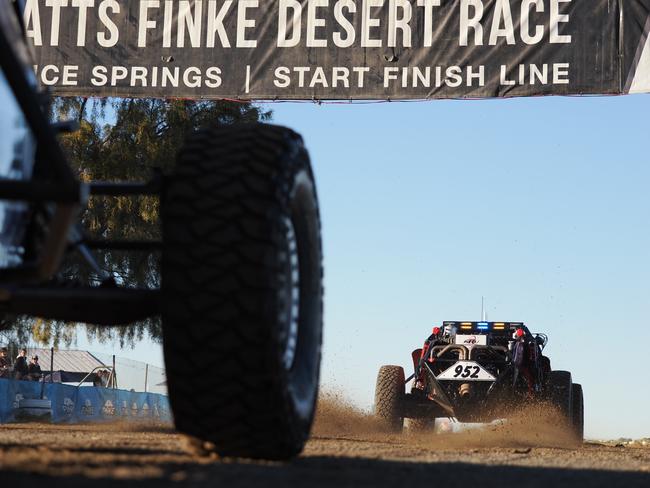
[
  {"x": 578, "y": 416},
  {"x": 389, "y": 397},
  {"x": 560, "y": 395},
  {"x": 242, "y": 291}
]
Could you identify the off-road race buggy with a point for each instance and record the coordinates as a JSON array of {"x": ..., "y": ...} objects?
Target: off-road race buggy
[
  {"x": 241, "y": 286},
  {"x": 478, "y": 372}
]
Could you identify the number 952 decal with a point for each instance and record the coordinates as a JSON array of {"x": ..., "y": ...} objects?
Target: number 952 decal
[{"x": 466, "y": 371}]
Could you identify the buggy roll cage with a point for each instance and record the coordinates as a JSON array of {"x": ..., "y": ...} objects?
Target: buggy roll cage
[
  {"x": 468, "y": 354},
  {"x": 59, "y": 196}
]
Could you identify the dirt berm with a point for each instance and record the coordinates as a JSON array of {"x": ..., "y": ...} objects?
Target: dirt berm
[{"x": 346, "y": 449}]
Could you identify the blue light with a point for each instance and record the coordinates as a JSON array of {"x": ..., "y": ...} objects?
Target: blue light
[{"x": 482, "y": 325}]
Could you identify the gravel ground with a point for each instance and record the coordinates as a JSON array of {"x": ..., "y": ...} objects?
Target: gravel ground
[{"x": 156, "y": 456}]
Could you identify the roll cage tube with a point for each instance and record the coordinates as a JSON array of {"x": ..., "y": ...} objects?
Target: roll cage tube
[
  {"x": 56, "y": 195},
  {"x": 63, "y": 189},
  {"x": 14, "y": 58}
]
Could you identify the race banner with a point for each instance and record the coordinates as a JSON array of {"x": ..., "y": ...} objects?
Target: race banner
[{"x": 340, "y": 49}]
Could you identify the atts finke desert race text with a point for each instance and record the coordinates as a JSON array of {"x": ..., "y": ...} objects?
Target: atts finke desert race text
[{"x": 337, "y": 49}]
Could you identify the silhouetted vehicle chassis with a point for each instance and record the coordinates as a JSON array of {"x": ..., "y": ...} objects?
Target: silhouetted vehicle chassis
[{"x": 241, "y": 285}]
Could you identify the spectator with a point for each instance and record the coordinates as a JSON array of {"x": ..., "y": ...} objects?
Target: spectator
[
  {"x": 34, "y": 369},
  {"x": 102, "y": 378},
  {"x": 4, "y": 363},
  {"x": 20, "y": 368}
]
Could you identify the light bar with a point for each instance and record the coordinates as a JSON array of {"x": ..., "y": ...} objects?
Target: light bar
[{"x": 485, "y": 326}]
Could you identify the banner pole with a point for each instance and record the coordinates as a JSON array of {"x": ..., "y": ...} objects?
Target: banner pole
[{"x": 621, "y": 48}]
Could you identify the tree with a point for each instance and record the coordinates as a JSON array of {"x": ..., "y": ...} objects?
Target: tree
[{"x": 125, "y": 140}]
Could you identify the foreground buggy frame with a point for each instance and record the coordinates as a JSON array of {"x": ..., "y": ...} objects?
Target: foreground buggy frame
[
  {"x": 477, "y": 372},
  {"x": 240, "y": 252}
]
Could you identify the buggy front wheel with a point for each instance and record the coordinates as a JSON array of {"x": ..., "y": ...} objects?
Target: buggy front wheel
[
  {"x": 389, "y": 398},
  {"x": 242, "y": 291}
]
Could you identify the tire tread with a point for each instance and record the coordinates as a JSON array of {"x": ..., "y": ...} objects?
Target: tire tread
[{"x": 230, "y": 186}]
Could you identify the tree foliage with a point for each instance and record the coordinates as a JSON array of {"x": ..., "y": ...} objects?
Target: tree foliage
[{"x": 125, "y": 140}]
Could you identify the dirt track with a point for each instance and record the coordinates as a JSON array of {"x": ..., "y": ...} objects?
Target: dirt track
[{"x": 347, "y": 450}]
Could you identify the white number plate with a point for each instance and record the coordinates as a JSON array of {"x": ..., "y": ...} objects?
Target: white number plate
[
  {"x": 471, "y": 340},
  {"x": 466, "y": 371}
]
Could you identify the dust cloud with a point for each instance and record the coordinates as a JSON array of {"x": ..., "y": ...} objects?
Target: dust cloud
[{"x": 533, "y": 426}]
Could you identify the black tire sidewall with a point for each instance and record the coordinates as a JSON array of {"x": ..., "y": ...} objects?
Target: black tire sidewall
[
  {"x": 578, "y": 412},
  {"x": 301, "y": 382},
  {"x": 560, "y": 391}
]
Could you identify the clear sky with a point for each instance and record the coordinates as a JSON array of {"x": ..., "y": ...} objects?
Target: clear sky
[{"x": 540, "y": 205}]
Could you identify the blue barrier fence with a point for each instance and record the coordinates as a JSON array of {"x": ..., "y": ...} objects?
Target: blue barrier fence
[{"x": 71, "y": 404}]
